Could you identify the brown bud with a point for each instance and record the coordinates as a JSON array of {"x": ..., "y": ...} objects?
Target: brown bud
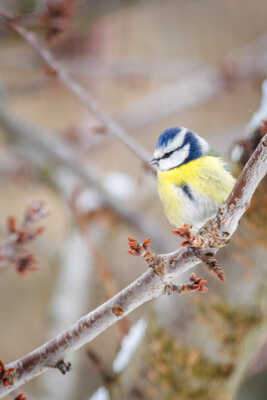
[{"x": 117, "y": 310}]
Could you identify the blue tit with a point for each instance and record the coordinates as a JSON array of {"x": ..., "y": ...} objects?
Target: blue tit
[{"x": 192, "y": 182}]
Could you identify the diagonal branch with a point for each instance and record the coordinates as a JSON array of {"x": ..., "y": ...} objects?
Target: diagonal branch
[
  {"x": 83, "y": 95},
  {"x": 32, "y": 137},
  {"x": 149, "y": 285}
]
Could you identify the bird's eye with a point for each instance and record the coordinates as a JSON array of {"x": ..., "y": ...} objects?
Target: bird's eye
[{"x": 166, "y": 155}]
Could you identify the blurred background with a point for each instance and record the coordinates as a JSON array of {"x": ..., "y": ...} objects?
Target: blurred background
[{"x": 150, "y": 65}]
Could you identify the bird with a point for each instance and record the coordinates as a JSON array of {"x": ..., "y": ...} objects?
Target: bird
[{"x": 193, "y": 182}]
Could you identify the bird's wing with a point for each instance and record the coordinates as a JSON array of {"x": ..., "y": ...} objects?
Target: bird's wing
[
  {"x": 215, "y": 182},
  {"x": 216, "y": 155}
]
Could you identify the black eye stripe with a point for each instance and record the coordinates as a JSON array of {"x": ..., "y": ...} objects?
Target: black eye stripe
[
  {"x": 168, "y": 154},
  {"x": 177, "y": 148}
]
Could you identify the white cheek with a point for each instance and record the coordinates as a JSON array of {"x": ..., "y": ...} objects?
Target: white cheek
[
  {"x": 175, "y": 159},
  {"x": 177, "y": 142},
  {"x": 204, "y": 145}
]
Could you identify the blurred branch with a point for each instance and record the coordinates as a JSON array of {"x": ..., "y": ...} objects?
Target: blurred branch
[
  {"x": 195, "y": 88},
  {"x": 70, "y": 300},
  {"x": 199, "y": 86},
  {"x": 14, "y": 251},
  {"x": 57, "y": 17},
  {"x": 261, "y": 114},
  {"x": 100, "y": 394},
  {"x": 95, "y": 235},
  {"x": 11, "y": 165},
  {"x": 152, "y": 284},
  {"x": 35, "y": 143},
  {"x": 255, "y": 362},
  {"x": 129, "y": 68},
  {"x": 129, "y": 346},
  {"x": 255, "y": 129},
  {"x": 190, "y": 91},
  {"x": 84, "y": 97}
]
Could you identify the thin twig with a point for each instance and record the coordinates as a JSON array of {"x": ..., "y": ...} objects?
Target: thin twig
[
  {"x": 35, "y": 142},
  {"x": 148, "y": 286},
  {"x": 197, "y": 87},
  {"x": 14, "y": 251},
  {"x": 84, "y": 97}
]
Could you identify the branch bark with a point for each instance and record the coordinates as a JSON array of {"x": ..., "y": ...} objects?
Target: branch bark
[{"x": 149, "y": 285}]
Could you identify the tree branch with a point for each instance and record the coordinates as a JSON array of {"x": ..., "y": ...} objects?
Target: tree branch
[
  {"x": 198, "y": 87},
  {"x": 32, "y": 137},
  {"x": 149, "y": 285},
  {"x": 14, "y": 251},
  {"x": 83, "y": 96}
]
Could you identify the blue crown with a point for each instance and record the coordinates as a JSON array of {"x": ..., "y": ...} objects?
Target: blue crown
[
  {"x": 176, "y": 138},
  {"x": 167, "y": 136}
]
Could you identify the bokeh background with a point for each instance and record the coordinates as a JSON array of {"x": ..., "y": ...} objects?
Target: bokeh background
[{"x": 151, "y": 65}]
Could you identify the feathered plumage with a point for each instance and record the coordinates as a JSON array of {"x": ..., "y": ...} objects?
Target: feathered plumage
[{"x": 192, "y": 184}]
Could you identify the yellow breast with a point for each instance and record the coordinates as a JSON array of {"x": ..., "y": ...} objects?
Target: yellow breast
[{"x": 209, "y": 182}]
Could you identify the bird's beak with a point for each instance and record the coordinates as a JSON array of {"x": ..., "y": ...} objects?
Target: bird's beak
[{"x": 154, "y": 161}]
